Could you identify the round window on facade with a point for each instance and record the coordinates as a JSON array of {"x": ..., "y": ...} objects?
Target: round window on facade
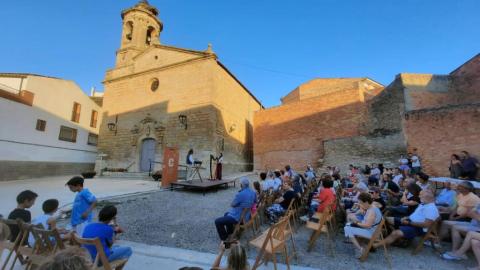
[{"x": 154, "y": 84}]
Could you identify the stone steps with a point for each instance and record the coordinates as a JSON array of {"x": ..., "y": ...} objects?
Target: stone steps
[{"x": 132, "y": 175}]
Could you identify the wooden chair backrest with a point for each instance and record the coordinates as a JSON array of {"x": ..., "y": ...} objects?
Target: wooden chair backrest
[
  {"x": 5, "y": 231},
  {"x": 46, "y": 241},
  {"x": 375, "y": 237},
  {"x": 101, "y": 256}
]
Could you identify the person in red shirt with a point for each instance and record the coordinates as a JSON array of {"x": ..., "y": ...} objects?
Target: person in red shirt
[{"x": 324, "y": 198}]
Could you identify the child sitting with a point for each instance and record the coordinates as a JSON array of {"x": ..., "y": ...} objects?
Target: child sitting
[
  {"x": 105, "y": 230},
  {"x": 83, "y": 204},
  {"x": 48, "y": 219}
]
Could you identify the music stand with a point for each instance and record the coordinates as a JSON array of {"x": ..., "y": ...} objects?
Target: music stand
[{"x": 197, "y": 165}]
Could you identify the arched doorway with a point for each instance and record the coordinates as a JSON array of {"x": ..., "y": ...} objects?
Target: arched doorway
[{"x": 147, "y": 154}]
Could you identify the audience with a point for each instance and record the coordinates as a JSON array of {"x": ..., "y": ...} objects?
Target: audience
[
  {"x": 410, "y": 200},
  {"x": 364, "y": 223},
  {"x": 48, "y": 219},
  {"x": 422, "y": 181},
  {"x": 245, "y": 198},
  {"x": 83, "y": 204},
  {"x": 326, "y": 197},
  {"x": 105, "y": 230},
  {"x": 72, "y": 258},
  {"x": 277, "y": 181},
  {"x": 25, "y": 200},
  {"x": 416, "y": 224},
  {"x": 277, "y": 210},
  {"x": 446, "y": 198},
  {"x": 237, "y": 259}
]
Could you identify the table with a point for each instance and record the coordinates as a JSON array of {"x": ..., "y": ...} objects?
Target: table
[{"x": 475, "y": 184}]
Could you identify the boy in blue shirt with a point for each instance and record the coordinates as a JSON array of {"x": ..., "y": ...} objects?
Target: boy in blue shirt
[
  {"x": 106, "y": 233},
  {"x": 83, "y": 204}
]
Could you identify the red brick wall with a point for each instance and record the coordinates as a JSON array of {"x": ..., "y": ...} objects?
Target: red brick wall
[
  {"x": 439, "y": 133},
  {"x": 294, "y": 133},
  {"x": 466, "y": 80}
]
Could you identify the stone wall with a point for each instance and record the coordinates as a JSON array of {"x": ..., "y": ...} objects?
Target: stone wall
[
  {"x": 438, "y": 133},
  {"x": 362, "y": 150},
  {"x": 15, "y": 170}
]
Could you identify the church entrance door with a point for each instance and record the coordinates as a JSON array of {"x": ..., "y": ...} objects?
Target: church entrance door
[{"x": 147, "y": 154}]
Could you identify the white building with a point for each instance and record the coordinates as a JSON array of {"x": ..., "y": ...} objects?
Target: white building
[{"x": 48, "y": 126}]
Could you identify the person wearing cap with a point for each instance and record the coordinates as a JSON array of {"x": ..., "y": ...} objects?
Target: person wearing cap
[
  {"x": 245, "y": 198},
  {"x": 466, "y": 202}
]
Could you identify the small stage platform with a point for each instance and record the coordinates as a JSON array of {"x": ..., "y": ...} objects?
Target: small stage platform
[{"x": 203, "y": 186}]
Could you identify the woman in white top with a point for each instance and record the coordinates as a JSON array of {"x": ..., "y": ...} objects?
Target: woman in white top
[{"x": 365, "y": 226}]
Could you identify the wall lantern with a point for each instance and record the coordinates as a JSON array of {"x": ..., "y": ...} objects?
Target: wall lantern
[
  {"x": 183, "y": 120},
  {"x": 113, "y": 126}
]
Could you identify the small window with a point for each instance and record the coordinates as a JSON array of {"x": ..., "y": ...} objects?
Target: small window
[
  {"x": 41, "y": 124},
  {"x": 154, "y": 84},
  {"x": 76, "y": 112},
  {"x": 92, "y": 139},
  {"x": 93, "y": 119},
  {"x": 67, "y": 134}
]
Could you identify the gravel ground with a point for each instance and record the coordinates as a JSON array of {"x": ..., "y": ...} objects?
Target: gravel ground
[{"x": 186, "y": 220}]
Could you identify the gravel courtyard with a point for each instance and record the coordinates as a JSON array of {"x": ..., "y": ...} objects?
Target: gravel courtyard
[{"x": 186, "y": 220}]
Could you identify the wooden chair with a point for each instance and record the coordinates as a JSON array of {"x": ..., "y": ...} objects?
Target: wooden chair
[
  {"x": 47, "y": 244},
  {"x": 251, "y": 223},
  {"x": 5, "y": 243},
  {"x": 270, "y": 243},
  {"x": 237, "y": 230},
  {"x": 376, "y": 237},
  {"x": 16, "y": 248},
  {"x": 431, "y": 234},
  {"x": 321, "y": 226},
  {"x": 101, "y": 257}
]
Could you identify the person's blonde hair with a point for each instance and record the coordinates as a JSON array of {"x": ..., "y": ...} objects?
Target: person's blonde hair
[
  {"x": 74, "y": 258},
  {"x": 237, "y": 259}
]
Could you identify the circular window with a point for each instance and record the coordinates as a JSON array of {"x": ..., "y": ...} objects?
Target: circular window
[{"x": 154, "y": 84}]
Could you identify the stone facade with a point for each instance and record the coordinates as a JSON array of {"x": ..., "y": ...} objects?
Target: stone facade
[
  {"x": 294, "y": 133},
  {"x": 154, "y": 86},
  {"x": 323, "y": 121}
]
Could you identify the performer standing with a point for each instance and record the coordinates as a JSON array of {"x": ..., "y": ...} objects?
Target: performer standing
[
  {"x": 189, "y": 163},
  {"x": 218, "y": 169}
]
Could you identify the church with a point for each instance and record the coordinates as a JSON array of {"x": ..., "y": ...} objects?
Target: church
[{"x": 158, "y": 96}]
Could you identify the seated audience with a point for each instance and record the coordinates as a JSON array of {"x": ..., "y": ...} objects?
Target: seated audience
[
  {"x": 422, "y": 181},
  {"x": 324, "y": 198},
  {"x": 446, "y": 198},
  {"x": 466, "y": 201},
  {"x": 267, "y": 183},
  {"x": 277, "y": 181},
  {"x": 416, "y": 224},
  {"x": 48, "y": 219},
  {"x": 277, "y": 210},
  {"x": 391, "y": 189},
  {"x": 377, "y": 198},
  {"x": 310, "y": 174},
  {"x": 397, "y": 176},
  {"x": 364, "y": 226},
  {"x": 245, "y": 198},
  {"x": 410, "y": 200},
  {"x": 72, "y": 258},
  {"x": 460, "y": 228},
  {"x": 237, "y": 259},
  {"x": 105, "y": 230},
  {"x": 25, "y": 200}
]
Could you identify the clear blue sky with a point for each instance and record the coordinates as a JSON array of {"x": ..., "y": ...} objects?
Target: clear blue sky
[{"x": 271, "y": 46}]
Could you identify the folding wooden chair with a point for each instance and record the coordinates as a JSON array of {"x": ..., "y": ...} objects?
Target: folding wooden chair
[
  {"x": 101, "y": 257},
  {"x": 322, "y": 226},
  {"x": 431, "y": 234},
  {"x": 270, "y": 243},
  {"x": 16, "y": 248},
  {"x": 376, "y": 237},
  {"x": 251, "y": 223},
  {"x": 47, "y": 244},
  {"x": 5, "y": 243}
]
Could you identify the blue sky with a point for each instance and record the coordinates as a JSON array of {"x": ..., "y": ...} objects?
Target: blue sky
[{"x": 271, "y": 46}]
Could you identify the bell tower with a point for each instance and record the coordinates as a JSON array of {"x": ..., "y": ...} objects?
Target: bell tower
[{"x": 141, "y": 29}]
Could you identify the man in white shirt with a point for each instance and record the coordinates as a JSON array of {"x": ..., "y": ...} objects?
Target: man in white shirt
[
  {"x": 417, "y": 223},
  {"x": 277, "y": 182},
  {"x": 416, "y": 166},
  {"x": 267, "y": 183},
  {"x": 397, "y": 176}
]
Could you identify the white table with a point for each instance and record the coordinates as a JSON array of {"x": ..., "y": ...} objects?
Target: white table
[{"x": 475, "y": 184}]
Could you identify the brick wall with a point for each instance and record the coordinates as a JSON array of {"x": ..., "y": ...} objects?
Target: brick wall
[
  {"x": 438, "y": 133},
  {"x": 293, "y": 133}
]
